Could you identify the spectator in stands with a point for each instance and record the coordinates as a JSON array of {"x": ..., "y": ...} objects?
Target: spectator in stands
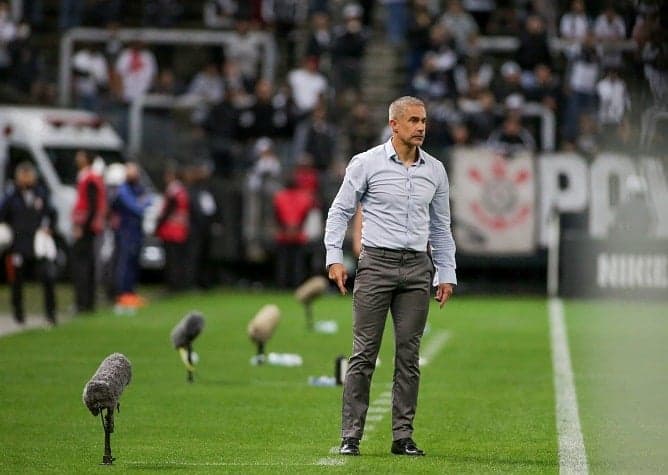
[
  {"x": 88, "y": 222},
  {"x": 267, "y": 115},
  {"x": 320, "y": 40},
  {"x": 548, "y": 11},
  {"x": 244, "y": 48},
  {"x": 221, "y": 129},
  {"x": 307, "y": 85},
  {"x": 478, "y": 108},
  {"x": 474, "y": 72},
  {"x": 442, "y": 46},
  {"x": 545, "y": 90},
  {"x": 610, "y": 31},
  {"x": 285, "y": 17},
  {"x": 533, "y": 49},
  {"x": 506, "y": 19},
  {"x": 27, "y": 211},
  {"x": 234, "y": 81},
  {"x": 460, "y": 24},
  {"x": 9, "y": 33},
  {"x": 511, "y": 138},
  {"x": 420, "y": 21},
  {"x": 292, "y": 205},
  {"x": 613, "y": 104},
  {"x": 128, "y": 209},
  {"x": 574, "y": 27},
  {"x": 173, "y": 229},
  {"x": 396, "y": 20},
  {"x": 350, "y": 40},
  {"x": 137, "y": 68},
  {"x": 581, "y": 92},
  {"x": 219, "y": 13},
  {"x": 91, "y": 77},
  {"x": 318, "y": 137},
  {"x": 430, "y": 83},
  {"x": 509, "y": 82},
  {"x": 208, "y": 89}
]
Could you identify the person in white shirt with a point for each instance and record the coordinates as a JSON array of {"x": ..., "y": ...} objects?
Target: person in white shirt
[
  {"x": 137, "y": 68},
  {"x": 307, "y": 85},
  {"x": 613, "y": 104},
  {"x": 573, "y": 27},
  {"x": 91, "y": 77},
  {"x": 610, "y": 31}
]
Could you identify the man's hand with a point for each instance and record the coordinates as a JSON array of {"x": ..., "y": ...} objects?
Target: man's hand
[
  {"x": 338, "y": 274},
  {"x": 443, "y": 293}
]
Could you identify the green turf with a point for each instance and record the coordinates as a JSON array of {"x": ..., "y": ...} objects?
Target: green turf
[
  {"x": 621, "y": 373},
  {"x": 486, "y": 399}
]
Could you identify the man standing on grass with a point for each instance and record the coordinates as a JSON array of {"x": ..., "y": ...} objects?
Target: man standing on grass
[{"x": 404, "y": 195}]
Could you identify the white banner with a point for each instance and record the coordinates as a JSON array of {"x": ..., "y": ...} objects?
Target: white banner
[{"x": 493, "y": 202}]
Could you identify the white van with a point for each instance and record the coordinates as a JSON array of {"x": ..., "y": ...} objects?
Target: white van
[{"x": 49, "y": 138}]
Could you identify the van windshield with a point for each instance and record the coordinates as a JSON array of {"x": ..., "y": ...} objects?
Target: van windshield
[{"x": 66, "y": 167}]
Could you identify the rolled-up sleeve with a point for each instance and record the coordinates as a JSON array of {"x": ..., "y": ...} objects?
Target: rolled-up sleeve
[
  {"x": 342, "y": 209},
  {"x": 440, "y": 235}
]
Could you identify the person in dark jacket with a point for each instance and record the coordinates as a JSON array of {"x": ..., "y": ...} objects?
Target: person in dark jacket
[
  {"x": 128, "y": 208},
  {"x": 26, "y": 210},
  {"x": 88, "y": 221},
  {"x": 205, "y": 216}
]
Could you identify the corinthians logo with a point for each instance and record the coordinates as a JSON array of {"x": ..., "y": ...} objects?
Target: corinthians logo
[{"x": 500, "y": 204}]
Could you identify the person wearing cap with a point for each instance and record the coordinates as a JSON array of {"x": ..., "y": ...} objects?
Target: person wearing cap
[
  {"x": 406, "y": 242},
  {"x": 26, "y": 209}
]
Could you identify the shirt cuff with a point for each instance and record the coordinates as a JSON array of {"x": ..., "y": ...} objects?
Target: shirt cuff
[
  {"x": 445, "y": 275},
  {"x": 334, "y": 256}
]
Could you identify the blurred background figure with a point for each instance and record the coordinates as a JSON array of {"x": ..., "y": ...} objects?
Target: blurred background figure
[
  {"x": 26, "y": 209},
  {"x": 88, "y": 223},
  {"x": 128, "y": 209},
  {"x": 206, "y": 222},
  {"x": 173, "y": 229},
  {"x": 292, "y": 205}
]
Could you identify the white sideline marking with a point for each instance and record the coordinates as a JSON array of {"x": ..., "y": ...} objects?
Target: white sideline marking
[
  {"x": 433, "y": 347},
  {"x": 572, "y": 455}
]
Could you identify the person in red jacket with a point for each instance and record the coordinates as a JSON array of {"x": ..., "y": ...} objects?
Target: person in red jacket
[
  {"x": 88, "y": 221},
  {"x": 173, "y": 228},
  {"x": 291, "y": 206}
]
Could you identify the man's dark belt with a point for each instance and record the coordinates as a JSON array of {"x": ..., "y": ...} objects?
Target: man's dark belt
[{"x": 395, "y": 253}]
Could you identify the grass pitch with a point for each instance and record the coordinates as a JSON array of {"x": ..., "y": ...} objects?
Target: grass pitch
[{"x": 486, "y": 397}]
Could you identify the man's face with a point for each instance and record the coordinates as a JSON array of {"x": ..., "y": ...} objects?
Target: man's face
[
  {"x": 25, "y": 179},
  {"x": 410, "y": 125}
]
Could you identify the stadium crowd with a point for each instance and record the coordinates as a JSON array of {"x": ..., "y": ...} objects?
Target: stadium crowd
[{"x": 596, "y": 66}]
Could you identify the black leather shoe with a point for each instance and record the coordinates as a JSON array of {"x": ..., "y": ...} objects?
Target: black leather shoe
[
  {"x": 406, "y": 447},
  {"x": 350, "y": 446}
]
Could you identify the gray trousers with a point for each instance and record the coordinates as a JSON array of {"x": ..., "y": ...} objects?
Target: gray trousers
[{"x": 398, "y": 281}]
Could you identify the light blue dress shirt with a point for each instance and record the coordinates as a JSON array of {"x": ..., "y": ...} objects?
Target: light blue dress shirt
[{"x": 403, "y": 208}]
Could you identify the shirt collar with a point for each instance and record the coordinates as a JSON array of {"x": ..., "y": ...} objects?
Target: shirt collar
[{"x": 391, "y": 154}]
